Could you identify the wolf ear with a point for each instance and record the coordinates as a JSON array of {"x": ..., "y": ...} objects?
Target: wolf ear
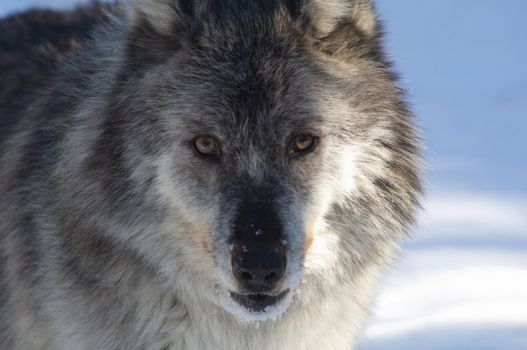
[
  {"x": 165, "y": 16},
  {"x": 327, "y": 15},
  {"x": 156, "y": 27}
]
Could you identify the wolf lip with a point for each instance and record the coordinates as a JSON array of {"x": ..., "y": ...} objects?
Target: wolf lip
[{"x": 258, "y": 302}]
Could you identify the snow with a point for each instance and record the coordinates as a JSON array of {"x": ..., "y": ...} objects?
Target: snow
[
  {"x": 471, "y": 291},
  {"x": 461, "y": 282},
  {"x": 474, "y": 214}
]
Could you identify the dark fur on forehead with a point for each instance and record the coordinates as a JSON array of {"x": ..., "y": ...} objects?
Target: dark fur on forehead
[
  {"x": 161, "y": 24},
  {"x": 188, "y": 19}
]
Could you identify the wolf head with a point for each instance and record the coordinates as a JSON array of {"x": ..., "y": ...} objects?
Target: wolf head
[{"x": 255, "y": 152}]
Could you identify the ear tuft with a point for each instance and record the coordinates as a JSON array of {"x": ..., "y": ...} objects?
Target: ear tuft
[
  {"x": 328, "y": 14},
  {"x": 163, "y": 15}
]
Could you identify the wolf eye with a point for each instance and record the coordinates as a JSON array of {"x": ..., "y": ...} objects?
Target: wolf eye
[
  {"x": 206, "y": 146},
  {"x": 303, "y": 144}
]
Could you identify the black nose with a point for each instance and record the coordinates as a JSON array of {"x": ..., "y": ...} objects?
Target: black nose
[{"x": 259, "y": 270}]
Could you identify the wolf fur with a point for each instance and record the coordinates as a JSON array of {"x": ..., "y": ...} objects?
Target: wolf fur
[{"x": 115, "y": 234}]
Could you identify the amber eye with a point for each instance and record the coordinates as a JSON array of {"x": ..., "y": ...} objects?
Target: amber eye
[
  {"x": 206, "y": 146},
  {"x": 303, "y": 144}
]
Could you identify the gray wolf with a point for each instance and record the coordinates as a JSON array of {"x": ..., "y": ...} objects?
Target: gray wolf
[{"x": 199, "y": 174}]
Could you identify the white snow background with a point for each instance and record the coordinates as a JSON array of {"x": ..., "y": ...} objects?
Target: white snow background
[{"x": 461, "y": 282}]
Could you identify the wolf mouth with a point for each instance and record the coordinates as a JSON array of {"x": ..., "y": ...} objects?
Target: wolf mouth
[{"x": 258, "y": 302}]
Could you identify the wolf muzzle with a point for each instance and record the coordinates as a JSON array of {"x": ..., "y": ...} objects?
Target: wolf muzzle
[{"x": 259, "y": 257}]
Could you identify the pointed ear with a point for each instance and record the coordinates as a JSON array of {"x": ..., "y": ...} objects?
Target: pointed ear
[
  {"x": 156, "y": 28},
  {"x": 165, "y": 16},
  {"x": 327, "y": 15}
]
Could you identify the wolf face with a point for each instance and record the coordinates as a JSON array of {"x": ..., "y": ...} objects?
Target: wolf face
[
  {"x": 253, "y": 160},
  {"x": 271, "y": 142}
]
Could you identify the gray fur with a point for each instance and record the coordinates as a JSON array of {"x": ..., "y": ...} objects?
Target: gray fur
[{"x": 114, "y": 234}]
